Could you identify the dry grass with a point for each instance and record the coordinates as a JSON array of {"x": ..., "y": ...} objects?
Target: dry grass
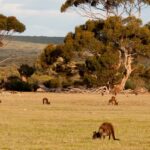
[
  {"x": 68, "y": 123},
  {"x": 21, "y": 52}
]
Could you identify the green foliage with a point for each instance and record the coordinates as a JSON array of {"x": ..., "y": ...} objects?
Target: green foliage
[
  {"x": 92, "y": 64},
  {"x": 100, "y": 44},
  {"x": 15, "y": 25},
  {"x": 130, "y": 85},
  {"x": 78, "y": 83},
  {"x": 34, "y": 86},
  {"x": 146, "y": 73},
  {"x": 26, "y": 70},
  {"x": 82, "y": 69},
  {"x": 93, "y": 3},
  {"x": 15, "y": 84},
  {"x": 3, "y": 22},
  {"x": 52, "y": 53},
  {"x": 46, "y": 57},
  {"x": 97, "y": 8},
  {"x": 8, "y": 26},
  {"x": 67, "y": 84},
  {"x": 11, "y": 23},
  {"x": 89, "y": 80},
  {"x": 53, "y": 83}
]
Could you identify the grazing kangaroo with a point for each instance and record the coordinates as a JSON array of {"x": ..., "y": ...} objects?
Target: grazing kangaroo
[
  {"x": 113, "y": 101},
  {"x": 107, "y": 129},
  {"x": 96, "y": 135},
  {"x": 45, "y": 101}
]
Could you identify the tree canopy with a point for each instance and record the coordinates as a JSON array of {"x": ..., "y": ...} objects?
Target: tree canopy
[
  {"x": 103, "y": 8},
  {"x": 25, "y": 71},
  {"x": 99, "y": 50},
  {"x": 8, "y": 26},
  {"x": 120, "y": 31}
]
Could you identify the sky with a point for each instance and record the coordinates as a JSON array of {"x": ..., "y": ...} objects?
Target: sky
[{"x": 43, "y": 17}]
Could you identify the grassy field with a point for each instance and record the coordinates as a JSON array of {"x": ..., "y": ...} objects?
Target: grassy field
[{"x": 68, "y": 123}]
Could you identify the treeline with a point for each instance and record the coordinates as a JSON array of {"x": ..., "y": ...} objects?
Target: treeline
[{"x": 38, "y": 39}]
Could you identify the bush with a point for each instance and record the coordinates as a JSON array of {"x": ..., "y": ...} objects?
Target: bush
[
  {"x": 17, "y": 85},
  {"x": 34, "y": 86},
  {"x": 53, "y": 83},
  {"x": 14, "y": 83},
  {"x": 147, "y": 86},
  {"x": 89, "y": 81},
  {"x": 26, "y": 70},
  {"x": 66, "y": 84},
  {"x": 82, "y": 69},
  {"x": 78, "y": 83},
  {"x": 130, "y": 85}
]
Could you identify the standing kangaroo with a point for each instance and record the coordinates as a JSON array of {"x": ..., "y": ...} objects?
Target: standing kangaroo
[
  {"x": 106, "y": 129},
  {"x": 45, "y": 101}
]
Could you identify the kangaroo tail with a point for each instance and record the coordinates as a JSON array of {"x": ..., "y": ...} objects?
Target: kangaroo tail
[
  {"x": 113, "y": 135},
  {"x": 117, "y": 139}
]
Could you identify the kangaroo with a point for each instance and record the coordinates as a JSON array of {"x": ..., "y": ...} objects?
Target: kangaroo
[
  {"x": 107, "y": 129},
  {"x": 96, "y": 135},
  {"x": 45, "y": 101},
  {"x": 113, "y": 101}
]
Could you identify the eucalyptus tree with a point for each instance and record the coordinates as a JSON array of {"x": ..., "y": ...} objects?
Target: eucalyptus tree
[
  {"x": 8, "y": 26},
  {"x": 104, "y": 8},
  {"x": 121, "y": 30}
]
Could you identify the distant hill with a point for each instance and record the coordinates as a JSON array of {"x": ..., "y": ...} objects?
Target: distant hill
[
  {"x": 24, "y": 49},
  {"x": 19, "y": 52},
  {"x": 38, "y": 39}
]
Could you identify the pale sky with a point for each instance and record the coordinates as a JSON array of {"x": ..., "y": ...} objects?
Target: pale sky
[{"x": 43, "y": 17}]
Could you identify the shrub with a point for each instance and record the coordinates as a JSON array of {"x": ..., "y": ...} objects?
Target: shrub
[
  {"x": 26, "y": 70},
  {"x": 82, "y": 69},
  {"x": 89, "y": 81},
  {"x": 14, "y": 83},
  {"x": 130, "y": 85},
  {"x": 66, "y": 84},
  {"x": 78, "y": 83},
  {"x": 53, "y": 83},
  {"x": 17, "y": 85},
  {"x": 33, "y": 84}
]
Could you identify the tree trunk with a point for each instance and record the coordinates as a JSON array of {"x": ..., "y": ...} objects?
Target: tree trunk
[{"x": 127, "y": 62}]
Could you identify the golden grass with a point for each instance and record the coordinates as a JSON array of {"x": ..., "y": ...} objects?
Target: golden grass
[{"x": 68, "y": 123}]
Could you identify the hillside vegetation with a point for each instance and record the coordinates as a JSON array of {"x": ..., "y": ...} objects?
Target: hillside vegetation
[
  {"x": 24, "y": 49},
  {"x": 18, "y": 50},
  {"x": 67, "y": 65}
]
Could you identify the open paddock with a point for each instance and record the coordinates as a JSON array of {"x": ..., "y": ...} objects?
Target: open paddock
[{"x": 69, "y": 121}]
